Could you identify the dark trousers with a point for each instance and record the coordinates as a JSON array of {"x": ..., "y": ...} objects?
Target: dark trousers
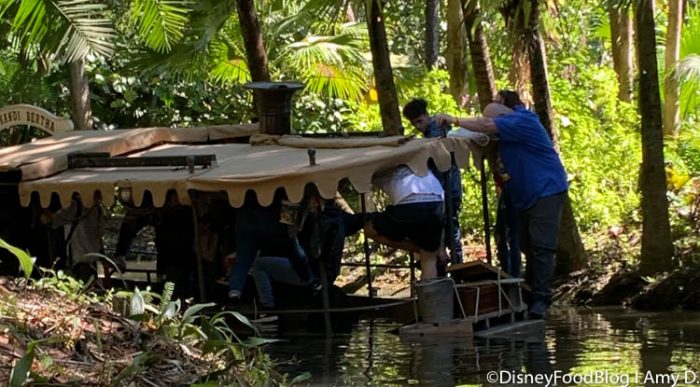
[
  {"x": 458, "y": 256},
  {"x": 507, "y": 236},
  {"x": 539, "y": 236},
  {"x": 255, "y": 227}
]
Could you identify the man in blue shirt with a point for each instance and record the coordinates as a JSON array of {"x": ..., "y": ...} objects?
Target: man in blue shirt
[
  {"x": 536, "y": 181},
  {"x": 416, "y": 111}
]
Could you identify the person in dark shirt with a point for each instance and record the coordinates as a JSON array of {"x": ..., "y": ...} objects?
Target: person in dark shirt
[{"x": 416, "y": 111}]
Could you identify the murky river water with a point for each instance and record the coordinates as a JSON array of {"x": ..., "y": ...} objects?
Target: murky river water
[{"x": 605, "y": 347}]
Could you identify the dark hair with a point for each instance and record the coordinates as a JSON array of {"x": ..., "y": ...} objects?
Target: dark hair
[
  {"x": 415, "y": 108},
  {"x": 510, "y": 98}
]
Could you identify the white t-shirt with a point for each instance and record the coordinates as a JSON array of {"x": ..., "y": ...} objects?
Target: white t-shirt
[{"x": 403, "y": 186}]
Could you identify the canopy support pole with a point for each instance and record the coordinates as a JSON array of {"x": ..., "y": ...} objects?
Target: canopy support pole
[
  {"x": 412, "y": 264},
  {"x": 198, "y": 252},
  {"x": 485, "y": 208},
  {"x": 326, "y": 300},
  {"x": 365, "y": 244},
  {"x": 449, "y": 208}
]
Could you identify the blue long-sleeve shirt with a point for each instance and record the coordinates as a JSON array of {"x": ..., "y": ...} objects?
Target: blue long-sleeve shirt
[{"x": 435, "y": 131}]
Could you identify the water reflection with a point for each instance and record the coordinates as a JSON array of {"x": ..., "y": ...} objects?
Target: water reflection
[{"x": 606, "y": 346}]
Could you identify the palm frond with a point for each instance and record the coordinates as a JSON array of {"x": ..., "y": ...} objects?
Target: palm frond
[
  {"x": 84, "y": 33},
  {"x": 209, "y": 18},
  {"x": 229, "y": 66},
  {"x": 687, "y": 73},
  {"x": 162, "y": 22},
  {"x": 335, "y": 82},
  {"x": 70, "y": 29},
  {"x": 690, "y": 34},
  {"x": 687, "y": 70}
]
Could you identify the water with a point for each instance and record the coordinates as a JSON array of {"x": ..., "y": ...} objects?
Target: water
[{"x": 606, "y": 347}]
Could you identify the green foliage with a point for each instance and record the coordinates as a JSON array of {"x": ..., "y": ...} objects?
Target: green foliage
[
  {"x": 316, "y": 114},
  {"x": 23, "y": 367},
  {"x": 162, "y": 22},
  {"x": 71, "y": 29},
  {"x": 687, "y": 70},
  {"x": 26, "y": 263},
  {"x": 600, "y": 146}
]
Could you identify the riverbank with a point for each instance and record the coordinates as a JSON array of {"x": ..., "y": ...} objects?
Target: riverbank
[
  {"x": 627, "y": 287},
  {"x": 54, "y": 333}
]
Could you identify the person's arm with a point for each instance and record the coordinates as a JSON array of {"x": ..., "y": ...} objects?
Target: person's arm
[{"x": 477, "y": 124}]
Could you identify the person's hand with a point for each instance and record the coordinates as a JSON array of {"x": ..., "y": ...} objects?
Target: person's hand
[
  {"x": 45, "y": 217},
  {"x": 444, "y": 119}
]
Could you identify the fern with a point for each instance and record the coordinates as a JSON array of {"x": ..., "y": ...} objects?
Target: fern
[{"x": 166, "y": 297}]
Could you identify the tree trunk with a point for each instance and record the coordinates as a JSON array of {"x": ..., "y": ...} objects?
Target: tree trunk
[
  {"x": 570, "y": 252},
  {"x": 519, "y": 72},
  {"x": 673, "y": 51},
  {"x": 516, "y": 25},
  {"x": 80, "y": 96},
  {"x": 657, "y": 246},
  {"x": 383, "y": 76},
  {"x": 621, "y": 39},
  {"x": 456, "y": 55},
  {"x": 479, "y": 50},
  {"x": 349, "y": 13},
  {"x": 538, "y": 71},
  {"x": 253, "y": 41},
  {"x": 432, "y": 36}
]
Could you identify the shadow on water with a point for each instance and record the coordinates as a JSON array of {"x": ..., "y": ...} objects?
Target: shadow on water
[{"x": 590, "y": 346}]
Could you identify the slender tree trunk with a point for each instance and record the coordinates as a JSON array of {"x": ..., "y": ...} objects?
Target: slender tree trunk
[
  {"x": 253, "y": 40},
  {"x": 80, "y": 96},
  {"x": 570, "y": 252},
  {"x": 538, "y": 71},
  {"x": 456, "y": 55},
  {"x": 349, "y": 13},
  {"x": 621, "y": 39},
  {"x": 519, "y": 73},
  {"x": 383, "y": 75},
  {"x": 432, "y": 36},
  {"x": 479, "y": 50},
  {"x": 657, "y": 246},
  {"x": 673, "y": 51}
]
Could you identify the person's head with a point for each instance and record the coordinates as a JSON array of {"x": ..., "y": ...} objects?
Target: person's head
[
  {"x": 508, "y": 98},
  {"x": 416, "y": 111}
]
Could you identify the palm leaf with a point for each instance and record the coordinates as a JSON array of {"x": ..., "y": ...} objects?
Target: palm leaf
[
  {"x": 230, "y": 65},
  {"x": 687, "y": 70},
  {"x": 335, "y": 82},
  {"x": 84, "y": 33},
  {"x": 687, "y": 73},
  {"x": 162, "y": 22},
  {"x": 330, "y": 65},
  {"x": 26, "y": 263},
  {"x": 70, "y": 28},
  {"x": 210, "y": 25}
]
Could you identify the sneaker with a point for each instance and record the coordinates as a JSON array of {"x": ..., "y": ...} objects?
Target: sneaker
[
  {"x": 233, "y": 293},
  {"x": 265, "y": 318}
]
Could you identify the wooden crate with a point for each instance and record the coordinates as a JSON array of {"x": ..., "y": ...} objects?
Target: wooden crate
[
  {"x": 489, "y": 295},
  {"x": 488, "y": 299}
]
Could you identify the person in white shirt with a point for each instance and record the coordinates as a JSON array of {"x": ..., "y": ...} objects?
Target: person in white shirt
[{"x": 415, "y": 219}]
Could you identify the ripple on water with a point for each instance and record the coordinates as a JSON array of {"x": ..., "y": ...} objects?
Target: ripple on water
[{"x": 582, "y": 341}]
